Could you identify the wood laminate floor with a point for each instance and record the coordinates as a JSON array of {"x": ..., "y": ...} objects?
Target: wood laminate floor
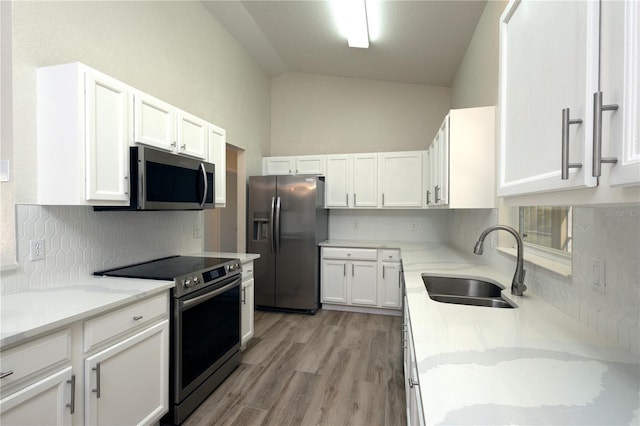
[{"x": 332, "y": 368}]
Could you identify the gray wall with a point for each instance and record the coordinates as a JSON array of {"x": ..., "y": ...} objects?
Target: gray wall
[{"x": 320, "y": 114}]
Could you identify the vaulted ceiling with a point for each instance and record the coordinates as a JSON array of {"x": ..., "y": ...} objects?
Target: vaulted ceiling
[{"x": 419, "y": 41}]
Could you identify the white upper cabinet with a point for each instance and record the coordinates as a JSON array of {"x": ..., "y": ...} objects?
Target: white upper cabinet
[
  {"x": 83, "y": 154},
  {"x": 548, "y": 64},
  {"x": 294, "y": 165},
  {"x": 192, "y": 135},
  {"x": 365, "y": 180},
  {"x": 163, "y": 126},
  {"x": 338, "y": 181},
  {"x": 154, "y": 122},
  {"x": 461, "y": 161},
  {"x": 401, "y": 179},
  {"x": 218, "y": 156},
  {"x": 278, "y": 166},
  {"x": 310, "y": 165},
  {"x": 569, "y": 101},
  {"x": 620, "y": 85}
]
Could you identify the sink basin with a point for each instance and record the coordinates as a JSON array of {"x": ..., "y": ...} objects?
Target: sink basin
[{"x": 465, "y": 291}]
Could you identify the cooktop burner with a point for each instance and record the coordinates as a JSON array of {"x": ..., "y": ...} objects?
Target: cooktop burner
[{"x": 168, "y": 268}]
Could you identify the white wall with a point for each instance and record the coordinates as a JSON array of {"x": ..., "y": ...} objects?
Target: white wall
[
  {"x": 175, "y": 51},
  {"x": 320, "y": 114}
]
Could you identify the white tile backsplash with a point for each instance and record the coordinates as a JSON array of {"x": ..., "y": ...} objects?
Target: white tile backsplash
[
  {"x": 79, "y": 241},
  {"x": 397, "y": 225},
  {"x": 608, "y": 233}
]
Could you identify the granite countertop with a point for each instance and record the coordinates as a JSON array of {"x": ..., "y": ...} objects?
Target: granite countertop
[
  {"x": 27, "y": 314},
  {"x": 529, "y": 365}
]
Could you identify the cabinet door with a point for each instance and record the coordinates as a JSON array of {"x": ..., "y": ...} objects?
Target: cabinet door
[
  {"x": 127, "y": 383},
  {"x": 246, "y": 326},
  {"x": 390, "y": 285},
  {"x": 310, "y": 165},
  {"x": 441, "y": 193},
  {"x": 401, "y": 179},
  {"x": 218, "y": 156},
  {"x": 278, "y": 166},
  {"x": 365, "y": 180},
  {"x": 154, "y": 122},
  {"x": 620, "y": 85},
  {"x": 193, "y": 134},
  {"x": 426, "y": 178},
  {"x": 42, "y": 403},
  {"x": 364, "y": 283},
  {"x": 548, "y": 62},
  {"x": 107, "y": 146},
  {"x": 334, "y": 281},
  {"x": 338, "y": 178}
]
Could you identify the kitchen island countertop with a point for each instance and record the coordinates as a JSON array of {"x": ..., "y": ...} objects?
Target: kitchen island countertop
[{"x": 529, "y": 365}]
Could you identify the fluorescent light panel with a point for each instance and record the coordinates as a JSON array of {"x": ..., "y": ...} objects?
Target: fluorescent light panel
[{"x": 352, "y": 20}]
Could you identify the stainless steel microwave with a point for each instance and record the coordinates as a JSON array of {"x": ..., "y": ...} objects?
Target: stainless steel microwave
[{"x": 166, "y": 181}]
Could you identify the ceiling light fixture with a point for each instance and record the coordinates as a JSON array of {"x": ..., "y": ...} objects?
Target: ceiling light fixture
[{"x": 352, "y": 20}]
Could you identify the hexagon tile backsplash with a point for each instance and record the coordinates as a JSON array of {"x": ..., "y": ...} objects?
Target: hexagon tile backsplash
[{"x": 79, "y": 241}]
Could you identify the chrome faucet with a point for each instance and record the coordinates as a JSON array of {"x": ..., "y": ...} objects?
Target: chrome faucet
[{"x": 517, "y": 285}]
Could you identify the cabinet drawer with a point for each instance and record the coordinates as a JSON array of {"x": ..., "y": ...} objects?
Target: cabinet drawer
[
  {"x": 350, "y": 253},
  {"x": 112, "y": 324},
  {"x": 390, "y": 255},
  {"x": 35, "y": 357}
]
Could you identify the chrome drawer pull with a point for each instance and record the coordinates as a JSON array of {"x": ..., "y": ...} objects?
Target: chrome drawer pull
[
  {"x": 97, "y": 389},
  {"x": 597, "y": 134},
  {"x": 4, "y": 374},
  {"x": 137, "y": 317},
  {"x": 72, "y": 405},
  {"x": 566, "y": 122}
]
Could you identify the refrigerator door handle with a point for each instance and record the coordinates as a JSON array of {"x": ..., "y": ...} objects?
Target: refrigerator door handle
[
  {"x": 272, "y": 234},
  {"x": 276, "y": 233}
]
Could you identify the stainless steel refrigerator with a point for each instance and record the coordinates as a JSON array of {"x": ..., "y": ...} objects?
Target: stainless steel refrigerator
[{"x": 287, "y": 220}]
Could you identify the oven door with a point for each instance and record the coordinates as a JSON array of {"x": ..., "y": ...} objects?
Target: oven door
[{"x": 206, "y": 334}]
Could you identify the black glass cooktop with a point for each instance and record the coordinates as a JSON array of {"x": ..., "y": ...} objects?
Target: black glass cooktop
[{"x": 168, "y": 268}]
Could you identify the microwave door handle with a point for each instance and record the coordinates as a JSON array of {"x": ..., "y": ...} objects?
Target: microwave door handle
[{"x": 206, "y": 185}]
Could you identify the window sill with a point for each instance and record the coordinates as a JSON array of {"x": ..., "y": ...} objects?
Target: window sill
[{"x": 548, "y": 264}]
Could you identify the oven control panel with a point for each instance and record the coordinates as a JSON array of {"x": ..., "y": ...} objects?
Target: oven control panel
[{"x": 207, "y": 277}]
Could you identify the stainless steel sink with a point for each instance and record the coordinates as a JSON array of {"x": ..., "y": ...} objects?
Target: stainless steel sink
[{"x": 465, "y": 291}]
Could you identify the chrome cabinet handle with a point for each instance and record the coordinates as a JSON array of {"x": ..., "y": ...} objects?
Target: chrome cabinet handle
[
  {"x": 399, "y": 279},
  {"x": 597, "y": 134},
  {"x": 4, "y": 374},
  {"x": 244, "y": 296},
  {"x": 566, "y": 122},
  {"x": 347, "y": 197},
  {"x": 183, "y": 146},
  {"x": 97, "y": 389},
  {"x": 72, "y": 404},
  {"x": 138, "y": 317},
  {"x": 383, "y": 198},
  {"x": 404, "y": 343},
  {"x": 413, "y": 383},
  {"x": 355, "y": 203},
  {"x": 352, "y": 270},
  {"x": 344, "y": 269},
  {"x": 174, "y": 144},
  {"x": 428, "y": 197},
  {"x": 437, "y": 195},
  {"x": 383, "y": 270}
]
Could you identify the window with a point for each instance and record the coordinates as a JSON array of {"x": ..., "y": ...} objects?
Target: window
[{"x": 546, "y": 228}]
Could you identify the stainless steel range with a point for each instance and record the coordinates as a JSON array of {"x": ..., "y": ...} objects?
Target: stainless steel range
[{"x": 205, "y": 324}]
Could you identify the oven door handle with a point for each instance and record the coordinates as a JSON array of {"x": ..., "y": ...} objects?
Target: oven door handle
[{"x": 197, "y": 300}]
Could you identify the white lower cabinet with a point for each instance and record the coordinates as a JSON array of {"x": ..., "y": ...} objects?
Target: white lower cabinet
[
  {"x": 111, "y": 369},
  {"x": 45, "y": 402},
  {"x": 415, "y": 414},
  {"x": 247, "y": 308},
  {"x": 127, "y": 383},
  {"x": 360, "y": 278}
]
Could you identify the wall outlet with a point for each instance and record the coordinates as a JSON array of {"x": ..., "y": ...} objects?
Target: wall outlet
[
  {"x": 598, "y": 277},
  {"x": 36, "y": 250}
]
